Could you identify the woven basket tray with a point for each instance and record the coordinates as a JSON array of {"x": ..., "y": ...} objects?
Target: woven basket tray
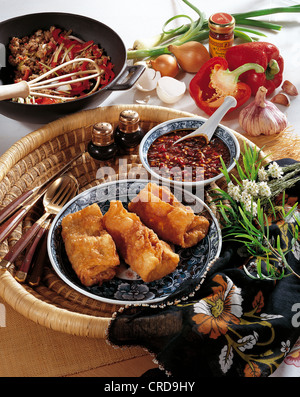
[{"x": 54, "y": 304}]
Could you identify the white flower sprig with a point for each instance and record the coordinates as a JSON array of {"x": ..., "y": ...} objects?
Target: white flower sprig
[
  {"x": 243, "y": 209},
  {"x": 275, "y": 171},
  {"x": 247, "y": 192}
]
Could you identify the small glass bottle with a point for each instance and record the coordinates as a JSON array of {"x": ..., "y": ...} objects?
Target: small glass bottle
[
  {"x": 128, "y": 133},
  {"x": 102, "y": 146},
  {"x": 221, "y": 34}
]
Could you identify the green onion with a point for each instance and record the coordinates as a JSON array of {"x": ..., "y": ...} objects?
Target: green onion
[{"x": 197, "y": 30}]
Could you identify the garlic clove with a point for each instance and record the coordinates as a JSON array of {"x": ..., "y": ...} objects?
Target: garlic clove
[
  {"x": 170, "y": 90},
  {"x": 289, "y": 88},
  {"x": 148, "y": 80},
  {"x": 281, "y": 99}
]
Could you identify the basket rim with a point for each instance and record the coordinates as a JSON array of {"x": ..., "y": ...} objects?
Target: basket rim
[{"x": 80, "y": 119}]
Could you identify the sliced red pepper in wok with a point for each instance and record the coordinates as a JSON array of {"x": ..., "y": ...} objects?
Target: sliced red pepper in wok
[
  {"x": 74, "y": 48},
  {"x": 108, "y": 74},
  {"x": 60, "y": 47},
  {"x": 265, "y": 54},
  {"x": 214, "y": 81},
  {"x": 55, "y": 34}
]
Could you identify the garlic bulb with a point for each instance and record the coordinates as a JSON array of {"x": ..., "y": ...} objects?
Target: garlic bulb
[{"x": 262, "y": 117}]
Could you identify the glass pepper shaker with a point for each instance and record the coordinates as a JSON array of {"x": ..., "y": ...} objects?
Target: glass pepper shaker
[
  {"x": 102, "y": 146},
  {"x": 128, "y": 133}
]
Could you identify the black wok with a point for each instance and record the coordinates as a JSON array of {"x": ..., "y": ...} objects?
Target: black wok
[{"x": 83, "y": 27}]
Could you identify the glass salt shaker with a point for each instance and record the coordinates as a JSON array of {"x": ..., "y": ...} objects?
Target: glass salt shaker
[{"x": 102, "y": 146}]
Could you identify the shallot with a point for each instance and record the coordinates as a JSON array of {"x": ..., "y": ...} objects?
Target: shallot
[{"x": 166, "y": 64}]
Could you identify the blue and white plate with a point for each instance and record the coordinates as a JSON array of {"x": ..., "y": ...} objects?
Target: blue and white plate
[{"x": 127, "y": 287}]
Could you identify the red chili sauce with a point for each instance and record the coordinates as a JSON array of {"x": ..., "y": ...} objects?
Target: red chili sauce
[{"x": 190, "y": 160}]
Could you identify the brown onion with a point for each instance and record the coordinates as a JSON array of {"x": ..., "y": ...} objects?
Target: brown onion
[
  {"x": 166, "y": 64},
  {"x": 190, "y": 55}
]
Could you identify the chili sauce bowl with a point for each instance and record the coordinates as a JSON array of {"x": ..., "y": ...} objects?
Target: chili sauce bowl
[{"x": 224, "y": 135}]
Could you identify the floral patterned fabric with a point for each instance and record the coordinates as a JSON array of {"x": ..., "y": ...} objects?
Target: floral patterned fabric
[{"x": 232, "y": 325}]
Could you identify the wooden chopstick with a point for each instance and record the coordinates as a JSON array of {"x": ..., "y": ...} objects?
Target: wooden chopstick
[
  {"x": 22, "y": 272},
  {"x": 35, "y": 275}
]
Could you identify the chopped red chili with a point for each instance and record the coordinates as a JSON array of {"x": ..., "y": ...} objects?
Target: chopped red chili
[{"x": 190, "y": 160}]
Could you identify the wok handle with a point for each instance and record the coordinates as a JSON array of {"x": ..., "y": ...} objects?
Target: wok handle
[
  {"x": 16, "y": 90},
  {"x": 132, "y": 73}
]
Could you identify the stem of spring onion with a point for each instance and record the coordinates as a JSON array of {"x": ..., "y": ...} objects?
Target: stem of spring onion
[
  {"x": 198, "y": 30},
  {"x": 245, "y": 37},
  {"x": 243, "y": 29},
  {"x": 259, "y": 24},
  {"x": 267, "y": 11}
]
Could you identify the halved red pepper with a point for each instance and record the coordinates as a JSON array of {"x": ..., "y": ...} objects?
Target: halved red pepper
[
  {"x": 214, "y": 81},
  {"x": 265, "y": 54}
]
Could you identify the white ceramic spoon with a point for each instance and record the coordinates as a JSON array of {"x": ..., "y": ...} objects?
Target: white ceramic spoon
[{"x": 208, "y": 128}]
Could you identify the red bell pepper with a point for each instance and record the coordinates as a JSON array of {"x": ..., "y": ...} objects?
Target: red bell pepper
[
  {"x": 213, "y": 82},
  {"x": 265, "y": 54}
]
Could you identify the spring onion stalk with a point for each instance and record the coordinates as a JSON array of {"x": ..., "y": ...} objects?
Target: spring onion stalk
[
  {"x": 140, "y": 44},
  {"x": 197, "y": 30}
]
